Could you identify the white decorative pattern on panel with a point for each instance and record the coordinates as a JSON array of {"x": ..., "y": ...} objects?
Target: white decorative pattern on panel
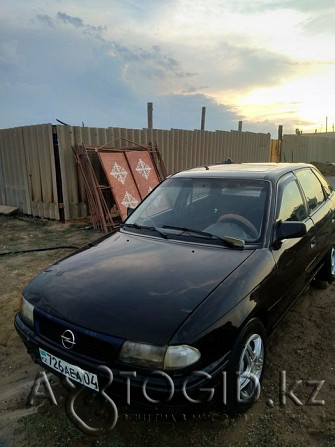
[
  {"x": 129, "y": 201},
  {"x": 143, "y": 169},
  {"x": 119, "y": 173}
]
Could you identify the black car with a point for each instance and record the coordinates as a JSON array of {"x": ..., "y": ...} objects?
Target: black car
[{"x": 177, "y": 303}]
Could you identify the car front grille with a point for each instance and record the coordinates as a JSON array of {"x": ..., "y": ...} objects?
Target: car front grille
[{"x": 94, "y": 346}]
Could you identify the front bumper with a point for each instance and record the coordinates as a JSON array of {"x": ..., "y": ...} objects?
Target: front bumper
[{"x": 144, "y": 390}]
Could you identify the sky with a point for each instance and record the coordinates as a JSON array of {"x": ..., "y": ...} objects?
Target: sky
[{"x": 98, "y": 63}]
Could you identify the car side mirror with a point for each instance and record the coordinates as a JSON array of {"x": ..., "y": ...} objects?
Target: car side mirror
[{"x": 290, "y": 230}]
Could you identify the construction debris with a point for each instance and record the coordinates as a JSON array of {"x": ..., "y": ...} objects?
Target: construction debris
[
  {"x": 98, "y": 209},
  {"x": 126, "y": 175}
]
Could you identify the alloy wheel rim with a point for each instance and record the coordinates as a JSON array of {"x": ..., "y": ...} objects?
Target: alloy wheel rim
[
  {"x": 332, "y": 260},
  {"x": 251, "y": 366}
]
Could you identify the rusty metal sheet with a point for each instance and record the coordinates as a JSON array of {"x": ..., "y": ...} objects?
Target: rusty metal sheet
[
  {"x": 143, "y": 171},
  {"x": 121, "y": 181}
]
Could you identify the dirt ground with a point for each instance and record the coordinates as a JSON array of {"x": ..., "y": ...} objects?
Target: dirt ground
[
  {"x": 327, "y": 169},
  {"x": 301, "y": 349}
]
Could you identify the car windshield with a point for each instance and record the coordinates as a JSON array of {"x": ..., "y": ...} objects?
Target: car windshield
[{"x": 212, "y": 208}]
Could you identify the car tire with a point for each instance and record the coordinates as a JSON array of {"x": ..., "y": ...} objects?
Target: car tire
[
  {"x": 318, "y": 284},
  {"x": 327, "y": 272},
  {"x": 246, "y": 367}
]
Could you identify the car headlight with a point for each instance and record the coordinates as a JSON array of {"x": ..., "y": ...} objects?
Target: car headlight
[
  {"x": 161, "y": 357},
  {"x": 26, "y": 311},
  {"x": 180, "y": 356}
]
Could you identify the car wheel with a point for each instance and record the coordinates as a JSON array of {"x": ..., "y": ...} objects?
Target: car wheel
[
  {"x": 327, "y": 272},
  {"x": 246, "y": 367}
]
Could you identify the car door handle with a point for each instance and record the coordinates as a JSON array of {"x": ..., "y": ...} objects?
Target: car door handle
[{"x": 313, "y": 242}]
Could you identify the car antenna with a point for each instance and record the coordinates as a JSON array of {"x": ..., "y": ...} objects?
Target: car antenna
[{"x": 206, "y": 167}]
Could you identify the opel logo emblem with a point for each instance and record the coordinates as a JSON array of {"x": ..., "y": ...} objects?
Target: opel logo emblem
[{"x": 68, "y": 339}]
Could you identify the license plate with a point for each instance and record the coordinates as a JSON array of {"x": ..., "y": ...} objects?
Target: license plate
[{"x": 73, "y": 372}]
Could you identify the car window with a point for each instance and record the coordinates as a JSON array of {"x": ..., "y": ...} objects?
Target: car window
[
  {"x": 291, "y": 206},
  {"x": 311, "y": 187}
]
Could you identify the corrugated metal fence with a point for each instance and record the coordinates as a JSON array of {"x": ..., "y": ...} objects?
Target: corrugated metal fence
[
  {"x": 39, "y": 175},
  {"x": 308, "y": 148},
  {"x": 27, "y": 170}
]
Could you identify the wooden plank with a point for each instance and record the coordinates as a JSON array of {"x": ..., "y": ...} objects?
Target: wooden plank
[{"x": 8, "y": 210}]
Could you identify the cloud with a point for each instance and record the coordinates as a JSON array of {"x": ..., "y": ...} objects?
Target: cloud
[
  {"x": 8, "y": 53},
  {"x": 321, "y": 23},
  {"x": 309, "y": 5},
  {"x": 232, "y": 70},
  {"x": 138, "y": 62},
  {"x": 152, "y": 69},
  {"x": 45, "y": 19},
  {"x": 77, "y": 22},
  {"x": 256, "y": 6},
  {"x": 82, "y": 62},
  {"x": 145, "y": 12},
  {"x": 104, "y": 82},
  {"x": 143, "y": 66},
  {"x": 176, "y": 109},
  {"x": 147, "y": 67},
  {"x": 319, "y": 15}
]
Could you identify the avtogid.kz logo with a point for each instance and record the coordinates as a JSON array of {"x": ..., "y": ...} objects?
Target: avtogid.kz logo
[{"x": 82, "y": 400}]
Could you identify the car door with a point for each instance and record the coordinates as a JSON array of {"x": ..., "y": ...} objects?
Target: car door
[
  {"x": 294, "y": 258},
  {"x": 320, "y": 209}
]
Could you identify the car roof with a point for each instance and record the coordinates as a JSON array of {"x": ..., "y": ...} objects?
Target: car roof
[{"x": 267, "y": 171}]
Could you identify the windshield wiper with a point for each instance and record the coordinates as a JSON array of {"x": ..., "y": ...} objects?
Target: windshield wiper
[
  {"x": 229, "y": 241},
  {"x": 144, "y": 227}
]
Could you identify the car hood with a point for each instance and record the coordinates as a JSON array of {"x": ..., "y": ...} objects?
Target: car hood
[{"x": 133, "y": 286}]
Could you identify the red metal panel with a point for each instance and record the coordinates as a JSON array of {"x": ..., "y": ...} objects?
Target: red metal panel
[
  {"x": 121, "y": 181},
  {"x": 143, "y": 171}
]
